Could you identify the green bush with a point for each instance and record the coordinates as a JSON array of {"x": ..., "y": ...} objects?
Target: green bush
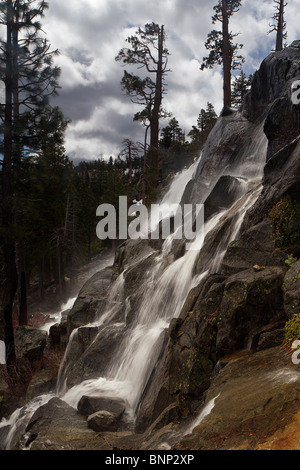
[
  {"x": 285, "y": 219},
  {"x": 292, "y": 330}
]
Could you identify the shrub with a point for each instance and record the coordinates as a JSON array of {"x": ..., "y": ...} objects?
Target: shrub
[
  {"x": 285, "y": 219},
  {"x": 292, "y": 330}
]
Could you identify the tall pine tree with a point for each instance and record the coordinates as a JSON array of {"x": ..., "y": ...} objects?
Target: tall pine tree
[
  {"x": 279, "y": 25},
  {"x": 240, "y": 87},
  {"x": 223, "y": 51},
  {"x": 147, "y": 51},
  {"x": 29, "y": 79}
]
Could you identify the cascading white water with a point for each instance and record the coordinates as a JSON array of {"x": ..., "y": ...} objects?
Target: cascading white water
[
  {"x": 56, "y": 317},
  {"x": 163, "y": 293}
]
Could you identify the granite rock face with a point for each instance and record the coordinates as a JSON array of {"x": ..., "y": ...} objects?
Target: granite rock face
[{"x": 223, "y": 352}]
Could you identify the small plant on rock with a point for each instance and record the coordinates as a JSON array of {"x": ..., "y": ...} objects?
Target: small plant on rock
[
  {"x": 285, "y": 219},
  {"x": 292, "y": 330}
]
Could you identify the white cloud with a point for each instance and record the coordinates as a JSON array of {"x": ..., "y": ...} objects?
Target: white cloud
[{"x": 90, "y": 33}]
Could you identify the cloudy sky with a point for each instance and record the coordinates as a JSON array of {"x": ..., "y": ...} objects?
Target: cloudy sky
[{"x": 90, "y": 33}]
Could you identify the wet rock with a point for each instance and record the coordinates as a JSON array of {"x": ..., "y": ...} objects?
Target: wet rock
[
  {"x": 271, "y": 339},
  {"x": 131, "y": 252},
  {"x": 291, "y": 290},
  {"x": 89, "y": 356},
  {"x": 41, "y": 383},
  {"x": 254, "y": 247},
  {"x": 91, "y": 300},
  {"x": 226, "y": 191},
  {"x": 273, "y": 79},
  {"x": 226, "y": 147},
  {"x": 183, "y": 369},
  {"x": 255, "y": 395},
  {"x": 4, "y": 430},
  {"x": 102, "y": 421},
  {"x": 281, "y": 178},
  {"x": 57, "y": 426},
  {"x": 30, "y": 343},
  {"x": 251, "y": 299},
  {"x": 89, "y": 405}
]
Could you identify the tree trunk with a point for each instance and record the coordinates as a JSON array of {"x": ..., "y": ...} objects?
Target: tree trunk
[
  {"x": 154, "y": 121},
  {"x": 279, "y": 36},
  {"x": 22, "y": 295},
  {"x": 130, "y": 163},
  {"x": 226, "y": 57},
  {"x": 41, "y": 279},
  {"x": 60, "y": 266},
  {"x": 10, "y": 283}
]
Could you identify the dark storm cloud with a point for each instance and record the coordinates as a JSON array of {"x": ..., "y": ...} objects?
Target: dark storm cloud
[{"x": 89, "y": 34}]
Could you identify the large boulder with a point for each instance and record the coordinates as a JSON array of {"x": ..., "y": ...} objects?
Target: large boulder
[
  {"x": 102, "y": 421},
  {"x": 91, "y": 350},
  {"x": 131, "y": 252},
  {"x": 250, "y": 405},
  {"x": 30, "y": 343},
  {"x": 89, "y": 405},
  {"x": 57, "y": 426},
  {"x": 281, "y": 178},
  {"x": 226, "y": 191},
  {"x": 272, "y": 80},
  {"x": 251, "y": 300},
  {"x": 91, "y": 300},
  {"x": 183, "y": 369},
  {"x": 291, "y": 290},
  {"x": 255, "y": 246}
]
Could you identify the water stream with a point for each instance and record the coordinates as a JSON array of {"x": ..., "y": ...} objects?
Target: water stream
[{"x": 162, "y": 294}]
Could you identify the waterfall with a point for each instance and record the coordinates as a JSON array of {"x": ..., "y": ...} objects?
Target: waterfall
[
  {"x": 205, "y": 411},
  {"x": 162, "y": 294}
]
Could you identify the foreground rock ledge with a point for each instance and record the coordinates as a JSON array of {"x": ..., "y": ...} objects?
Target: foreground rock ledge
[
  {"x": 257, "y": 408},
  {"x": 257, "y": 405}
]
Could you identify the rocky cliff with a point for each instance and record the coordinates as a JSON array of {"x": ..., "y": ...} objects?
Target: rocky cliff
[{"x": 220, "y": 377}]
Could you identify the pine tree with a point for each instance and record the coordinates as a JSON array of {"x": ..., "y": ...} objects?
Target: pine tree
[
  {"x": 172, "y": 134},
  {"x": 280, "y": 24},
  {"x": 147, "y": 51},
  {"x": 205, "y": 122},
  {"x": 130, "y": 151},
  {"x": 29, "y": 79},
  {"x": 240, "y": 87},
  {"x": 222, "y": 49}
]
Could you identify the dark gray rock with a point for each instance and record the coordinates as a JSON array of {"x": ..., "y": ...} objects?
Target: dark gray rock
[
  {"x": 55, "y": 334},
  {"x": 89, "y": 405},
  {"x": 102, "y": 421},
  {"x": 99, "y": 351},
  {"x": 131, "y": 252},
  {"x": 4, "y": 430},
  {"x": 183, "y": 369},
  {"x": 30, "y": 343},
  {"x": 291, "y": 290},
  {"x": 57, "y": 426},
  {"x": 91, "y": 300},
  {"x": 273, "y": 79},
  {"x": 227, "y": 190},
  {"x": 254, "y": 247},
  {"x": 281, "y": 178},
  {"x": 251, "y": 300},
  {"x": 271, "y": 339},
  {"x": 41, "y": 383}
]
